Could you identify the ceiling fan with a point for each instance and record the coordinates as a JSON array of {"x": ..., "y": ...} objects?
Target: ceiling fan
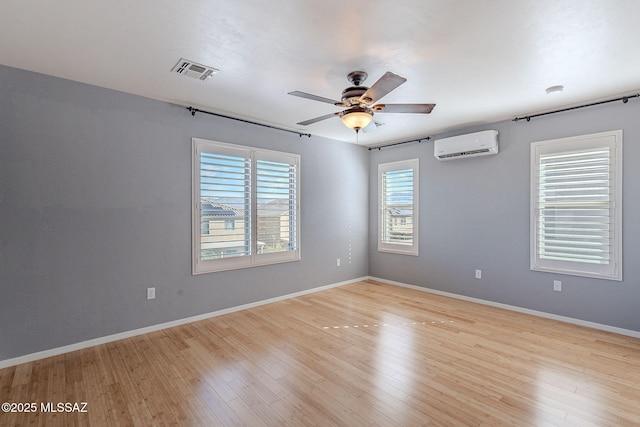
[{"x": 358, "y": 101}]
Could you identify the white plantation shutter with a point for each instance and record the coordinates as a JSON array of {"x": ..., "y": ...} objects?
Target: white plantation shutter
[
  {"x": 574, "y": 206},
  {"x": 576, "y": 217},
  {"x": 277, "y": 201},
  {"x": 225, "y": 205},
  {"x": 398, "y": 207},
  {"x": 246, "y": 209}
]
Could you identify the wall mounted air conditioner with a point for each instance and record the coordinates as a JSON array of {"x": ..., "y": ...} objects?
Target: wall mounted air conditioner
[{"x": 470, "y": 145}]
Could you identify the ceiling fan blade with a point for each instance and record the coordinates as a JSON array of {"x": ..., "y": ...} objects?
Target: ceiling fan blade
[
  {"x": 313, "y": 97},
  {"x": 383, "y": 86},
  {"x": 317, "y": 119},
  {"x": 403, "y": 108}
]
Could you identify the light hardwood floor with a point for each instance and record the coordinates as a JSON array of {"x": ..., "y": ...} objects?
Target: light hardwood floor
[{"x": 364, "y": 354}]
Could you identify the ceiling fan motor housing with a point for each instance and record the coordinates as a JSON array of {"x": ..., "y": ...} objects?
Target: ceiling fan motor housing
[{"x": 351, "y": 95}]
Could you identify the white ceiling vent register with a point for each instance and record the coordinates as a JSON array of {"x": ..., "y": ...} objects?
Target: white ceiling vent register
[
  {"x": 194, "y": 70},
  {"x": 470, "y": 145}
]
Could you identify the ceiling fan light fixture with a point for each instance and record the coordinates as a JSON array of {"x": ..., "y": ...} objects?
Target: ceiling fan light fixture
[{"x": 356, "y": 118}]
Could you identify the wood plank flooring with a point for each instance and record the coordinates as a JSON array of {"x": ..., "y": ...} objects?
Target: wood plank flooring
[{"x": 365, "y": 354}]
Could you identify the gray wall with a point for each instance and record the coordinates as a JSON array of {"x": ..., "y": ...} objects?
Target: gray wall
[
  {"x": 95, "y": 206},
  {"x": 474, "y": 214},
  {"x": 95, "y": 191}
]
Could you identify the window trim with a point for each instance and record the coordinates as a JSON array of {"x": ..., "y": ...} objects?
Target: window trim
[
  {"x": 398, "y": 248},
  {"x": 613, "y": 140},
  {"x": 254, "y": 259}
]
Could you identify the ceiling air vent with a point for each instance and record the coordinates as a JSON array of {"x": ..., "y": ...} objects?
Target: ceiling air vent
[{"x": 194, "y": 70}]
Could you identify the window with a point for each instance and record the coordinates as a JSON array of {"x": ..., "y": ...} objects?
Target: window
[
  {"x": 576, "y": 205},
  {"x": 398, "y": 204},
  {"x": 245, "y": 206}
]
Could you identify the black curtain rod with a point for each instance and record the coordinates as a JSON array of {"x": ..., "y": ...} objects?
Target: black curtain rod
[
  {"x": 196, "y": 110},
  {"x": 380, "y": 147},
  {"x": 624, "y": 99}
]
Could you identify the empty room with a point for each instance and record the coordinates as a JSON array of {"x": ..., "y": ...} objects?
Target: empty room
[{"x": 306, "y": 213}]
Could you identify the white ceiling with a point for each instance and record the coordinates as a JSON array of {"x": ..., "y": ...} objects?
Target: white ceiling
[{"x": 478, "y": 60}]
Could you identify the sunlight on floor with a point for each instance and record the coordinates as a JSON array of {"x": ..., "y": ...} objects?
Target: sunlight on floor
[{"x": 557, "y": 395}]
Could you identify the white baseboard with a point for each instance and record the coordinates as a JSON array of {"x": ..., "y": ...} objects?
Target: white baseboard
[
  {"x": 128, "y": 334},
  {"x": 607, "y": 328}
]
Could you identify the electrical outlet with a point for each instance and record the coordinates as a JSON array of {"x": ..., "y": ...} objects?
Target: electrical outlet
[
  {"x": 557, "y": 285},
  {"x": 338, "y": 262},
  {"x": 151, "y": 293},
  {"x": 478, "y": 274}
]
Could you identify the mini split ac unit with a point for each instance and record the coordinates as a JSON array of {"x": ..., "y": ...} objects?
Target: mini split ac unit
[{"x": 470, "y": 145}]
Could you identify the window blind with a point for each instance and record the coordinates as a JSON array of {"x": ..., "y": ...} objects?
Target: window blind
[
  {"x": 574, "y": 201},
  {"x": 225, "y": 206},
  {"x": 246, "y": 206},
  {"x": 576, "y": 205},
  {"x": 397, "y": 206},
  {"x": 398, "y": 219},
  {"x": 276, "y": 202}
]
